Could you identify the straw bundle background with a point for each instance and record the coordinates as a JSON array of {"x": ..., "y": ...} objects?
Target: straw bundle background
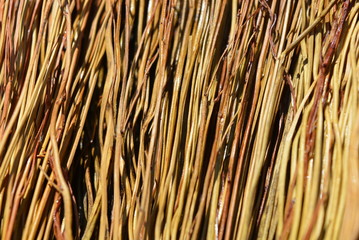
[{"x": 179, "y": 119}]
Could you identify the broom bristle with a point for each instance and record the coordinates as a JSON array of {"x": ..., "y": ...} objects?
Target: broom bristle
[{"x": 180, "y": 119}]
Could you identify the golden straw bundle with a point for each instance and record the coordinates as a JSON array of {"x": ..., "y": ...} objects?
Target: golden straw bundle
[{"x": 179, "y": 119}]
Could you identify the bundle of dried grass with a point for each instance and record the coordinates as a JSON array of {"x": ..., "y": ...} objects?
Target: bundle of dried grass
[{"x": 179, "y": 119}]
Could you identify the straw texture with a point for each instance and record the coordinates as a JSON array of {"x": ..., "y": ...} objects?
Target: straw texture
[{"x": 179, "y": 119}]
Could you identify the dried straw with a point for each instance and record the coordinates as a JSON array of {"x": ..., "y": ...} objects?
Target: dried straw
[{"x": 135, "y": 119}]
